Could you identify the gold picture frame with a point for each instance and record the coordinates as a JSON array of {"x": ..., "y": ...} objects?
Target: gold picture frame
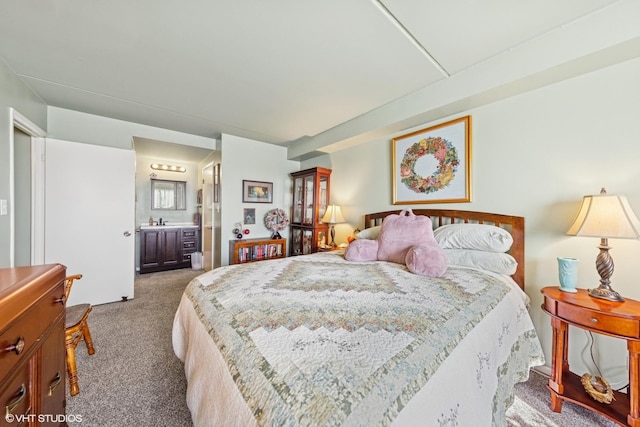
[{"x": 433, "y": 165}]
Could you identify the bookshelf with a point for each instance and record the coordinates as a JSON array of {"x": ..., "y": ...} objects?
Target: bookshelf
[{"x": 252, "y": 250}]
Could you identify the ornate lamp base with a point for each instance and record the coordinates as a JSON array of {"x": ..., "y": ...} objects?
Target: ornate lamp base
[
  {"x": 333, "y": 236},
  {"x": 604, "y": 265},
  {"x": 604, "y": 293}
]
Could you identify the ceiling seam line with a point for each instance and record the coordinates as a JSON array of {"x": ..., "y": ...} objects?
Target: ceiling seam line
[
  {"x": 129, "y": 101},
  {"x": 191, "y": 116},
  {"x": 411, "y": 37}
]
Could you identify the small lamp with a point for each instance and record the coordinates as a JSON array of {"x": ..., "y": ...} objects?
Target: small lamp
[
  {"x": 333, "y": 215},
  {"x": 605, "y": 216}
]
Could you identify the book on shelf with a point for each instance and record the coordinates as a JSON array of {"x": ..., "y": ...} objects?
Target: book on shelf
[{"x": 259, "y": 252}]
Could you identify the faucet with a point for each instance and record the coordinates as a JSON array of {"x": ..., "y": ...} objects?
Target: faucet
[{"x": 160, "y": 222}]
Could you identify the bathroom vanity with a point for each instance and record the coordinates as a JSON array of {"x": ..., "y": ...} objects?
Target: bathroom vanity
[{"x": 167, "y": 247}]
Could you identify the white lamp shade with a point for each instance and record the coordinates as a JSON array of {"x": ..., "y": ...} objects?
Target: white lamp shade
[
  {"x": 333, "y": 215},
  {"x": 607, "y": 216}
]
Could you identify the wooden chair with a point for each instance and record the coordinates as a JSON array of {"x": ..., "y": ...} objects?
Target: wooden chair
[{"x": 76, "y": 330}]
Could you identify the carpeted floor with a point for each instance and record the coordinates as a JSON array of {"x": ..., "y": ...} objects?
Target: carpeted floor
[
  {"x": 134, "y": 379},
  {"x": 531, "y": 408}
]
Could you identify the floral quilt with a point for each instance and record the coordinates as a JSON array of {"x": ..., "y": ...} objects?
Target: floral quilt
[{"x": 319, "y": 341}]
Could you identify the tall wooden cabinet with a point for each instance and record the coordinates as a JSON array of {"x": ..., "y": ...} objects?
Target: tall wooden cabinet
[
  {"x": 311, "y": 188},
  {"x": 32, "y": 350}
]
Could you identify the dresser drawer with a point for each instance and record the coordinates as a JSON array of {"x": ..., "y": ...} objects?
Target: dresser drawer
[
  {"x": 21, "y": 335},
  {"x": 53, "y": 371},
  {"x": 16, "y": 397},
  {"x": 591, "y": 319}
]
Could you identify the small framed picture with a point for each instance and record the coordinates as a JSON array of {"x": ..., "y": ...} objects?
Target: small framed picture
[
  {"x": 249, "y": 216},
  {"x": 257, "y": 192}
]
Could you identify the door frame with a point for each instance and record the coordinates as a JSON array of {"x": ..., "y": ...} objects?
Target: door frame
[
  {"x": 20, "y": 121},
  {"x": 211, "y": 260}
]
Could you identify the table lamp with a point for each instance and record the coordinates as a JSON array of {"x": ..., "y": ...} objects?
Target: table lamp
[
  {"x": 333, "y": 215},
  {"x": 605, "y": 216}
]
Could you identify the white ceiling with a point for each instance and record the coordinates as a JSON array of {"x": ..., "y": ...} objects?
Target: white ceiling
[{"x": 314, "y": 75}]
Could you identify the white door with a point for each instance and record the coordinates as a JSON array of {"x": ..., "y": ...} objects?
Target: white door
[{"x": 90, "y": 218}]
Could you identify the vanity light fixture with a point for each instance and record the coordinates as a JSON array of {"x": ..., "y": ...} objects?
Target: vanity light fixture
[{"x": 168, "y": 168}]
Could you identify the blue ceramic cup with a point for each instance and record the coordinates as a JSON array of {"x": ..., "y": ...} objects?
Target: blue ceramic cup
[{"x": 568, "y": 274}]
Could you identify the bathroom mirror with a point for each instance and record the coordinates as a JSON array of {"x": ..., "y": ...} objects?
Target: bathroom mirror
[{"x": 168, "y": 195}]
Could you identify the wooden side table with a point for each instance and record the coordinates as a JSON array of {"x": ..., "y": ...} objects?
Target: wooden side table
[
  {"x": 329, "y": 248},
  {"x": 616, "y": 319}
]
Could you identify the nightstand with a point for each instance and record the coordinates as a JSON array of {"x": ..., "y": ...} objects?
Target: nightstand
[
  {"x": 616, "y": 319},
  {"x": 329, "y": 248}
]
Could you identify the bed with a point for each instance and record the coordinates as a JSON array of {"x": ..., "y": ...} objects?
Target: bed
[{"x": 317, "y": 340}]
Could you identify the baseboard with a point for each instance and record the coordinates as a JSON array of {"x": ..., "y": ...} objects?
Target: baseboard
[{"x": 542, "y": 370}]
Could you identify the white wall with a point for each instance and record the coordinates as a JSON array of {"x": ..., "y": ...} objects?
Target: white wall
[
  {"x": 23, "y": 205},
  {"x": 143, "y": 191},
  {"x": 72, "y": 125},
  {"x": 241, "y": 159},
  {"x": 534, "y": 155},
  {"x": 91, "y": 129},
  {"x": 246, "y": 159}
]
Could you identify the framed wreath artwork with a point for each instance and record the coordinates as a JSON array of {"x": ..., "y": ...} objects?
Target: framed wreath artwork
[{"x": 433, "y": 165}]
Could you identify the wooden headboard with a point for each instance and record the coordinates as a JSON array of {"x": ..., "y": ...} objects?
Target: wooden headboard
[{"x": 440, "y": 217}]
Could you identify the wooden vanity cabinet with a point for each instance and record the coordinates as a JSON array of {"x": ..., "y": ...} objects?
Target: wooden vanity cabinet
[
  {"x": 167, "y": 248},
  {"x": 32, "y": 349},
  {"x": 159, "y": 249}
]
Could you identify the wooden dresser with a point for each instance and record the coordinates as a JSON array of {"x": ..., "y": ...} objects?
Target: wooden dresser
[{"x": 32, "y": 350}]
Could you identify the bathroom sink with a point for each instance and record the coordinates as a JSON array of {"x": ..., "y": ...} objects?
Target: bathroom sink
[{"x": 174, "y": 225}]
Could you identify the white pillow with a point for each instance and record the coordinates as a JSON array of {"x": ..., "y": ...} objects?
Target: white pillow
[
  {"x": 369, "y": 233},
  {"x": 496, "y": 262},
  {"x": 480, "y": 237}
]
